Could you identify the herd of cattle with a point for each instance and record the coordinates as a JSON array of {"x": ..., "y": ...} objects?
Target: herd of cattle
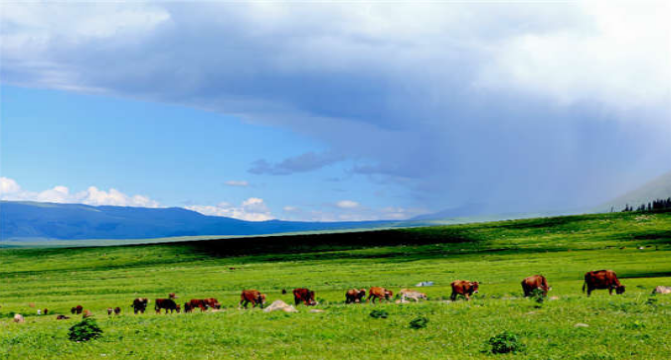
[{"x": 601, "y": 279}]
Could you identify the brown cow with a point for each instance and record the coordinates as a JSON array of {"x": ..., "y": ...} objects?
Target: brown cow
[
  {"x": 61, "y": 317},
  {"x": 379, "y": 293},
  {"x": 87, "y": 314},
  {"x": 465, "y": 288},
  {"x": 140, "y": 305},
  {"x": 167, "y": 304},
  {"x": 45, "y": 311},
  {"x": 535, "y": 282},
  {"x": 212, "y": 303},
  {"x": 355, "y": 296},
  {"x": 252, "y": 296},
  {"x": 117, "y": 310},
  {"x": 305, "y": 296},
  {"x": 172, "y": 296},
  {"x": 109, "y": 311},
  {"x": 602, "y": 279},
  {"x": 197, "y": 303},
  {"x": 77, "y": 310}
]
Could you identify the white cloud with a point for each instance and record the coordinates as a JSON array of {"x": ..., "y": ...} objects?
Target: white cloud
[
  {"x": 620, "y": 58},
  {"x": 10, "y": 190},
  {"x": 240, "y": 183},
  {"x": 347, "y": 204},
  {"x": 252, "y": 209},
  {"x": 290, "y": 208}
]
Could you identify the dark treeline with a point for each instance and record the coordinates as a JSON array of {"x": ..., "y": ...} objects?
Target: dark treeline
[{"x": 660, "y": 204}]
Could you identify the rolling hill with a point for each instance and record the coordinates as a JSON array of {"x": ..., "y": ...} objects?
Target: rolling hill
[
  {"x": 658, "y": 188},
  {"x": 34, "y": 220}
]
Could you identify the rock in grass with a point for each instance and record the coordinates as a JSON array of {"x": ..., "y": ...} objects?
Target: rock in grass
[
  {"x": 280, "y": 305},
  {"x": 18, "y": 318},
  {"x": 580, "y": 325},
  {"x": 316, "y": 310}
]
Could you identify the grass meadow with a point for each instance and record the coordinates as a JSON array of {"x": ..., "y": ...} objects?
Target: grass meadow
[{"x": 499, "y": 255}]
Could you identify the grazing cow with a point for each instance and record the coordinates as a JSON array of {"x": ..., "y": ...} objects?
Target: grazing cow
[
  {"x": 140, "y": 305},
  {"x": 172, "y": 296},
  {"x": 167, "y": 304},
  {"x": 61, "y": 317},
  {"x": 77, "y": 310},
  {"x": 87, "y": 314},
  {"x": 212, "y": 303},
  {"x": 662, "y": 290},
  {"x": 117, "y": 310},
  {"x": 45, "y": 312},
  {"x": 464, "y": 288},
  {"x": 602, "y": 279},
  {"x": 252, "y": 296},
  {"x": 355, "y": 296},
  {"x": 411, "y": 294},
  {"x": 535, "y": 282},
  {"x": 379, "y": 293},
  {"x": 305, "y": 296},
  {"x": 187, "y": 307},
  {"x": 110, "y": 311},
  {"x": 197, "y": 303}
]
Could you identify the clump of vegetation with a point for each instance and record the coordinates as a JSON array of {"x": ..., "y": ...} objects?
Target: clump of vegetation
[
  {"x": 652, "y": 301},
  {"x": 636, "y": 325},
  {"x": 504, "y": 343},
  {"x": 85, "y": 330},
  {"x": 419, "y": 323},
  {"x": 379, "y": 314},
  {"x": 538, "y": 296}
]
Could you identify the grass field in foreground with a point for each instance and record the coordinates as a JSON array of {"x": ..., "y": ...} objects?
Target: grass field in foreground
[{"x": 497, "y": 254}]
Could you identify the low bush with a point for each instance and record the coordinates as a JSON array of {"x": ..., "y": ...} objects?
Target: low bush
[
  {"x": 379, "y": 314},
  {"x": 85, "y": 330},
  {"x": 503, "y": 343},
  {"x": 419, "y": 323}
]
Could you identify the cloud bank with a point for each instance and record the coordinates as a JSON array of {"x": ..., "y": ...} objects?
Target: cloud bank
[{"x": 521, "y": 106}]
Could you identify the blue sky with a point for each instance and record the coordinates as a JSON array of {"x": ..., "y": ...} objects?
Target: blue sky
[{"x": 333, "y": 111}]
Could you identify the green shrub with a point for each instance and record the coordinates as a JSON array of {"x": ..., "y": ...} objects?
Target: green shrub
[
  {"x": 419, "y": 323},
  {"x": 85, "y": 330},
  {"x": 379, "y": 314},
  {"x": 505, "y": 342}
]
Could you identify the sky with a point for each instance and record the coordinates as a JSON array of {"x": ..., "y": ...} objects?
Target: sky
[{"x": 329, "y": 111}]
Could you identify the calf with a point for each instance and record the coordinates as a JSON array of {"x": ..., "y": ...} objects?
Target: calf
[
  {"x": 252, "y": 296},
  {"x": 535, "y": 282},
  {"x": 109, "y": 311},
  {"x": 140, "y": 305},
  {"x": 602, "y": 279},
  {"x": 305, "y": 296},
  {"x": 379, "y": 293},
  {"x": 355, "y": 296},
  {"x": 117, "y": 310},
  {"x": 167, "y": 304},
  {"x": 464, "y": 288}
]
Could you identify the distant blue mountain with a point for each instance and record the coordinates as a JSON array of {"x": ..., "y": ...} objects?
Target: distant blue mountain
[
  {"x": 467, "y": 210},
  {"x": 76, "y": 221}
]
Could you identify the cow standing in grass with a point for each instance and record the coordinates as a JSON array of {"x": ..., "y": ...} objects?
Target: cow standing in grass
[
  {"x": 252, "y": 296},
  {"x": 167, "y": 304},
  {"x": 306, "y": 296},
  {"x": 465, "y": 288},
  {"x": 355, "y": 296},
  {"x": 602, "y": 279},
  {"x": 535, "y": 282},
  {"x": 379, "y": 293},
  {"x": 77, "y": 310},
  {"x": 140, "y": 305}
]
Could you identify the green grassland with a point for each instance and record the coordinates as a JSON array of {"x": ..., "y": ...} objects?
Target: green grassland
[{"x": 498, "y": 254}]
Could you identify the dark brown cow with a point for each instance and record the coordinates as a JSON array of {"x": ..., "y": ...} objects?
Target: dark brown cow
[
  {"x": 379, "y": 293},
  {"x": 117, "y": 310},
  {"x": 77, "y": 310},
  {"x": 252, "y": 296},
  {"x": 602, "y": 279},
  {"x": 535, "y": 282},
  {"x": 109, "y": 311},
  {"x": 45, "y": 311},
  {"x": 167, "y": 304},
  {"x": 303, "y": 295},
  {"x": 465, "y": 288},
  {"x": 197, "y": 303},
  {"x": 212, "y": 303},
  {"x": 187, "y": 307},
  {"x": 61, "y": 317},
  {"x": 355, "y": 296},
  {"x": 140, "y": 305}
]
